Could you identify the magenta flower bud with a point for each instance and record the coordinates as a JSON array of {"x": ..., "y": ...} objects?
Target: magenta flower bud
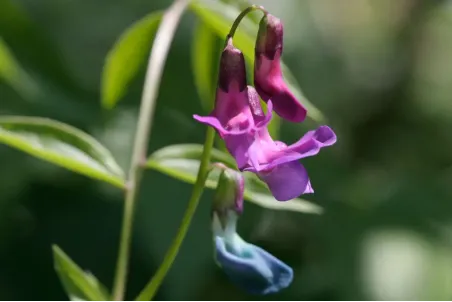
[
  {"x": 270, "y": 36},
  {"x": 268, "y": 78},
  {"x": 231, "y": 115}
]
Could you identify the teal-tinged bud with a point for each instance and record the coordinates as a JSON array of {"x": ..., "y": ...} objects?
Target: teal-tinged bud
[
  {"x": 228, "y": 198},
  {"x": 229, "y": 192},
  {"x": 248, "y": 266}
]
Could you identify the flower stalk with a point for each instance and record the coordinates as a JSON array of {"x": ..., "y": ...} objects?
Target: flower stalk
[
  {"x": 242, "y": 15},
  {"x": 152, "y": 287},
  {"x": 154, "y": 71}
]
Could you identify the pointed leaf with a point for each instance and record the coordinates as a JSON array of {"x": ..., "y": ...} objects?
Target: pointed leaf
[
  {"x": 182, "y": 162},
  {"x": 62, "y": 145},
  {"x": 220, "y": 16},
  {"x": 78, "y": 284},
  {"x": 126, "y": 58}
]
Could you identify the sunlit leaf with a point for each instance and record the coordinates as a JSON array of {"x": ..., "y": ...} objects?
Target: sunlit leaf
[
  {"x": 62, "y": 145},
  {"x": 205, "y": 56},
  {"x": 182, "y": 162},
  {"x": 220, "y": 16},
  {"x": 78, "y": 284},
  {"x": 127, "y": 56}
]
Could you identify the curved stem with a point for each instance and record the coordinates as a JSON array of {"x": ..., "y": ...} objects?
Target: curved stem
[
  {"x": 151, "y": 288},
  {"x": 154, "y": 71},
  {"x": 242, "y": 15}
]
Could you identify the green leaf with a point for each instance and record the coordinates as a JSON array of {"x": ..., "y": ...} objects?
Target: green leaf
[
  {"x": 191, "y": 151},
  {"x": 182, "y": 162},
  {"x": 79, "y": 285},
  {"x": 124, "y": 60},
  {"x": 62, "y": 145},
  {"x": 14, "y": 74},
  {"x": 183, "y": 169},
  {"x": 220, "y": 16},
  {"x": 205, "y": 56}
]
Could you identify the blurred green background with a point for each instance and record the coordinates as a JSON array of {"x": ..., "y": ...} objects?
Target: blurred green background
[{"x": 380, "y": 70}]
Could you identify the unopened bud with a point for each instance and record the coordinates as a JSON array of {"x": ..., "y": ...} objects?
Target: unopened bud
[
  {"x": 270, "y": 36},
  {"x": 229, "y": 192},
  {"x": 232, "y": 68},
  {"x": 228, "y": 199}
]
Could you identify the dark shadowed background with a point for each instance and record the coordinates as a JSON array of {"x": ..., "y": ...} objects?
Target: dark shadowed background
[{"x": 380, "y": 70}]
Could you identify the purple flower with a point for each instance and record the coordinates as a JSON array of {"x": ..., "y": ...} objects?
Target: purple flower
[
  {"x": 237, "y": 109},
  {"x": 273, "y": 161},
  {"x": 268, "y": 78},
  {"x": 278, "y": 164},
  {"x": 242, "y": 124}
]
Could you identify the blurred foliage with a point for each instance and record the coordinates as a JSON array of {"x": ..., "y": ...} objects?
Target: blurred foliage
[
  {"x": 126, "y": 57},
  {"x": 380, "y": 70},
  {"x": 79, "y": 285},
  {"x": 182, "y": 162}
]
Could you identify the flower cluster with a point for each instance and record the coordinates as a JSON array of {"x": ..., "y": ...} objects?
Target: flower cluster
[
  {"x": 241, "y": 122},
  {"x": 239, "y": 119}
]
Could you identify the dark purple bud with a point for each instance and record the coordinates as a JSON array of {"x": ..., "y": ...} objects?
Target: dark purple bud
[
  {"x": 270, "y": 36},
  {"x": 232, "y": 69}
]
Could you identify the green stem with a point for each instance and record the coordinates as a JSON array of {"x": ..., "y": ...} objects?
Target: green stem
[
  {"x": 153, "y": 285},
  {"x": 156, "y": 63},
  {"x": 237, "y": 21}
]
